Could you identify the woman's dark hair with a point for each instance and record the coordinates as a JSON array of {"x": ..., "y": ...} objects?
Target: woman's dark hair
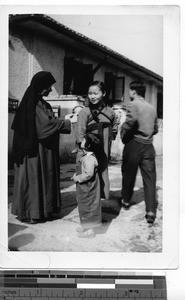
[
  {"x": 100, "y": 84},
  {"x": 139, "y": 87}
]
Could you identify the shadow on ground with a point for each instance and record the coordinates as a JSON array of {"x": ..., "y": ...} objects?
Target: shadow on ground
[
  {"x": 110, "y": 209},
  {"x": 21, "y": 240},
  {"x": 60, "y": 233},
  {"x": 14, "y": 228}
]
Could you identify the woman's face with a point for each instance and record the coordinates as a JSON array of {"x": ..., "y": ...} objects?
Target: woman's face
[
  {"x": 95, "y": 94},
  {"x": 46, "y": 91}
]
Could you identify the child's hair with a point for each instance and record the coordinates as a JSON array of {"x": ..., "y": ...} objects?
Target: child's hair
[
  {"x": 93, "y": 142},
  {"x": 100, "y": 84},
  {"x": 139, "y": 87}
]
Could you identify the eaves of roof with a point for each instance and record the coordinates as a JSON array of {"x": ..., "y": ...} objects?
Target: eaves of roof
[{"x": 44, "y": 23}]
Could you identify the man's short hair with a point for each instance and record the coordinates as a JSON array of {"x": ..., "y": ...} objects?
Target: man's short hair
[{"x": 139, "y": 87}]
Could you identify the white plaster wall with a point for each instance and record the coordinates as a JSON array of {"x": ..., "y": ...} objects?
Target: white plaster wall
[
  {"x": 29, "y": 54},
  {"x": 18, "y": 65},
  {"x": 18, "y": 77},
  {"x": 158, "y": 139},
  {"x": 100, "y": 74},
  {"x": 128, "y": 79},
  {"x": 151, "y": 94},
  {"x": 49, "y": 56}
]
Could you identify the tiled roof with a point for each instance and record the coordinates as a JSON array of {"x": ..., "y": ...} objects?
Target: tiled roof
[{"x": 61, "y": 29}]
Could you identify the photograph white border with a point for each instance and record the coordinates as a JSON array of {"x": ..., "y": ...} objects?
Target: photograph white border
[{"x": 168, "y": 259}]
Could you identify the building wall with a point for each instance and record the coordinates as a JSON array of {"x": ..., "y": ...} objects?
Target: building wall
[
  {"x": 49, "y": 59},
  {"x": 151, "y": 94},
  {"x": 18, "y": 64},
  {"x": 30, "y": 53}
]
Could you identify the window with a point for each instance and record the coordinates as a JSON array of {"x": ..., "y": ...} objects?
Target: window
[
  {"x": 119, "y": 88},
  {"x": 77, "y": 76},
  {"x": 110, "y": 87},
  {"x": 115, "y": 87},
  {"x": 159, "y": 105}
]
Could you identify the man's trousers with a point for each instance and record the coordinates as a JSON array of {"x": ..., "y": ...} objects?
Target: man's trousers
[{"x": 139, "y": 155}]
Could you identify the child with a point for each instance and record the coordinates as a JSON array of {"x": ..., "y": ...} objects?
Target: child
[
  {"x": 100, "y": 119},
  {"x": 88, "y": 186}
]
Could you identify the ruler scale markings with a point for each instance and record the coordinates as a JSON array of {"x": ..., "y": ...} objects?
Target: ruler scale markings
[
  {"x": 101, "y": 293},
  {"x": 112, "y": 294},
  {"x": 73, "y": 285},
  {"x": 123, "y": 293},
  {"x": 25, "y": 292},
  {"x": 136, "y": 287},
  {"x": 39, "y": 298},
  {"x": 91, "y": 293},
  {"x": 9, "y": 292},
  {"x": 145, "y": 293},
  {"x": 68, "y": 293},
  {"x": 55, "y": 298},
  {"x": 57, "y": 292}
]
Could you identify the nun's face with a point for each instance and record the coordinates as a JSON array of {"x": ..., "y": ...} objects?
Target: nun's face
[{"x": 46, "y": 92}]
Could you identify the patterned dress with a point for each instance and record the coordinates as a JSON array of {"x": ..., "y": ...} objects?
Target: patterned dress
[{"x": 88, "y": 192}]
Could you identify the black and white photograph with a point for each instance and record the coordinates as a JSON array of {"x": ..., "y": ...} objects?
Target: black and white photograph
[{"x": 87, "y": 150}]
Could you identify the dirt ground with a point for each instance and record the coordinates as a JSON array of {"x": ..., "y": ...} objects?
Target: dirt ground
[{"x": 122, "y": 231}]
